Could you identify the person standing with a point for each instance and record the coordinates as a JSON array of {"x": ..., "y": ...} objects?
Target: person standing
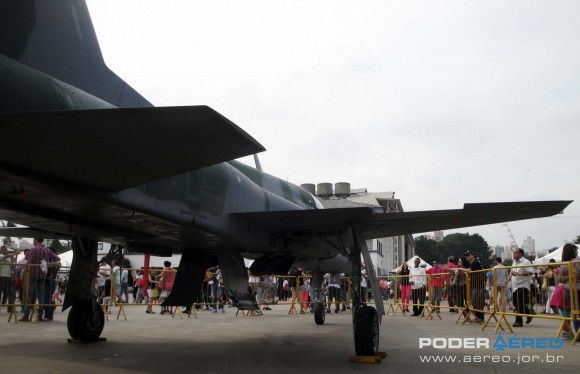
[
  {"x": 403, "y": 277},
  {"x": 436, "y": 273},
  {"x": 49, "y": 287},
  {"x": 116, "y": 276},
  {"x": 418, "y": 281},
  {"x": 500, "y": 273},
  {"x": 7, "y": 275},
  {"x": 477, "y": 285},
  {"x": 167, "y": 280},
  {"x": 104, "y": 274},
  {"x": 550, "y": 278},
  {"x": 37, "y": 259},
  {"x": 450, "y": 287},
  {"x": 521, "y": 279},
  {"x": 459, "y": 283},
  {"x": 125, "y": 285},
  {"x": 569, "y": 254},
  {"x": 334, "y": 291}
]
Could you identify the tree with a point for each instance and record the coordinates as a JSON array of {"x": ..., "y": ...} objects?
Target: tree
[
  {"x": 457, "y": 244},
  {"x": 577, "y": 241},
  {"x": 425, "y": 248}
]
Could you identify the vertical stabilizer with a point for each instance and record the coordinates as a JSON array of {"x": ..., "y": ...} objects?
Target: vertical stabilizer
[{"x": 57, "y": 37}]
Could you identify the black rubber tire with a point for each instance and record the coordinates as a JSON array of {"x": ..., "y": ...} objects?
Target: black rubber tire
[
  {"x": 366, "y": 331},
  {"x": 319, "y": 313},
  {"x": 86, "y": 321}
]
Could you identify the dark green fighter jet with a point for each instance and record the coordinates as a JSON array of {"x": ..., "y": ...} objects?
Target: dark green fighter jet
[{"x": 85, "y": 156}]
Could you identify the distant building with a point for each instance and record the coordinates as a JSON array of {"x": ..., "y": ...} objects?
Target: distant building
[
  {"x": 529, "y": 246},
  {"x": 508, "y": 249},
  {"x": 499, "y": 251},
  {"x": 386, "y": 253},
  {"x": 437, "y": 235}
]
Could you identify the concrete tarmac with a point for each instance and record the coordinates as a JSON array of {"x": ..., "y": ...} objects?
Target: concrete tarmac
[{"x": 275, "y": 342}]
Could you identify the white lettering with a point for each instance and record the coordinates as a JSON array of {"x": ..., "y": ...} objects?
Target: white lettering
[
  {"x": 468, "y": 342},
  {"x": 482, "y": 343},
  {"x": 455, "y": 342},
  {"x": 424, "y": 342},
  {"x": 440, "y": 343}
]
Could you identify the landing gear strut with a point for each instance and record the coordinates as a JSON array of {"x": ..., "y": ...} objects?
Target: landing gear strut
[
  {"x": 86, "y": 318},
  {"x": 365, "y": 319}
]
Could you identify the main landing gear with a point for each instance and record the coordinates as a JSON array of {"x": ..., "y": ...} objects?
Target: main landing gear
[
  {"x": 319, "y": 313},
  {"x": 86, "y": 320},
  {"x": 366, "y": 320},
  {"x": 366, "y": 331}
]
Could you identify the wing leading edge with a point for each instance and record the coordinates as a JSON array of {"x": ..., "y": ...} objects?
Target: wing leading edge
[
  {"x": 379, "y": 225},
  {"x": 118, "y": 148}
]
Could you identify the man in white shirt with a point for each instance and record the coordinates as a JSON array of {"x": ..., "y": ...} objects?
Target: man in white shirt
[
  {"x": 104, "y": 274},
  {"x": 418, "y": 281},
  {"x": 7, "y": 274},
  {"x": 521, "y": 280}
]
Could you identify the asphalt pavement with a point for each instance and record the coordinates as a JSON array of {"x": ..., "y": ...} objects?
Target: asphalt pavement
[{"x": 278, "y": 342}]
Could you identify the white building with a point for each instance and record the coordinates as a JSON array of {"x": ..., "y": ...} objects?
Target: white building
[
  {"x": 437, "y": 235},
  {"x": 386, "y": 253},
  {"x": 529, "y": 246}
]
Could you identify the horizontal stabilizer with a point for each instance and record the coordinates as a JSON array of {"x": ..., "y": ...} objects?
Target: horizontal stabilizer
[
  {"x": 379, "y": 225},
  {"x": 115, "y": 149}
]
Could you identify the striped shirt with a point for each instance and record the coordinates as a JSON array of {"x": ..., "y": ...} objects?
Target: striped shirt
[{"x": 35, "y": 256}]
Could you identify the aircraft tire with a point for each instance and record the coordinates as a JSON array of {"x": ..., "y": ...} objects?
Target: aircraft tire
[
  {"x": 86, "y": 321},
  {"x": 319, "y": 313},
  {"x": 366, "y": 331}
]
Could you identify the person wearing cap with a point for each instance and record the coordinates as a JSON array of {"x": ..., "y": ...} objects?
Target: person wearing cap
[
  {"x": 477, "y": 281},
  {"x": 418, "y": 281},
  {"x": 521, "y": 280}
]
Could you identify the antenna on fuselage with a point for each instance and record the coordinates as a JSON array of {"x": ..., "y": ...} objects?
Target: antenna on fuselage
[{"x": 257, "y": 162}]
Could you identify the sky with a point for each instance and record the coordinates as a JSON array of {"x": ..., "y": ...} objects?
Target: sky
[{"x": 443, "y": 102}]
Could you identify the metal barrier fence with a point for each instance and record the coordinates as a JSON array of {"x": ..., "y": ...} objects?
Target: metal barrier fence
[
  {"x": 487, "y": 296},
  {"x": 493, "y": 294}
]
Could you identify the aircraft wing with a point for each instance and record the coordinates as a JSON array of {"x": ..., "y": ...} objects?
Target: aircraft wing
[
  {"x": 27, "y": 232},
  {"x": 379, "y": 225},
  {"x": 115, "y": 149}
]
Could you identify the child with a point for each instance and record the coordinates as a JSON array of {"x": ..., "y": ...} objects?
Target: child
[{"x": 56, "y": 296}]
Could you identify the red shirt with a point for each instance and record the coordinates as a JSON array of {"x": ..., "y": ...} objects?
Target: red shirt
[
  {"x": 436, "y": 276},
  {"x": 450, "y": 267}
]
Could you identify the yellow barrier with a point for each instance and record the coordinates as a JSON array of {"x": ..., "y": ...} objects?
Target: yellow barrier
[{"x": 495, "y": 294}]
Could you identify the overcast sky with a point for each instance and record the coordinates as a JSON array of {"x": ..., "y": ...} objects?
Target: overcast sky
[{"x": 443, "y": 102}]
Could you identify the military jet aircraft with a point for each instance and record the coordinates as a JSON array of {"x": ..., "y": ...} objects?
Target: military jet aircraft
[{"x": 86, "y": 156}]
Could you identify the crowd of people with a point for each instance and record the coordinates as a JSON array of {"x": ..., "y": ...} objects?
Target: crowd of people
[
  {"x": 33, "y": 280},
  {"x": 464, "y": 285},
  {"x": 519, "y": 288}
]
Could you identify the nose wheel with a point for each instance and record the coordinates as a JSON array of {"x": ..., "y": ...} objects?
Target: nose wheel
[{"x": 319, "y": 313}]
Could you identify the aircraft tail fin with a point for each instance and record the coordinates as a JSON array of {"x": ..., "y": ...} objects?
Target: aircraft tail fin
[{"x": 58, "y": 39}]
